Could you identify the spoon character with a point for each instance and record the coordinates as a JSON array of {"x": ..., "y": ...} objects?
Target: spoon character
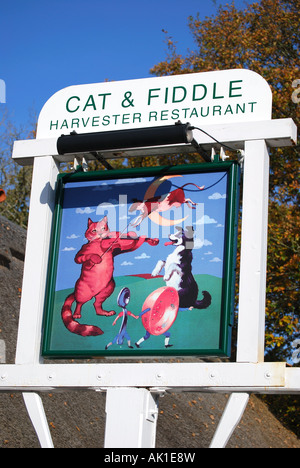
[{"x": 123, "y": 301}]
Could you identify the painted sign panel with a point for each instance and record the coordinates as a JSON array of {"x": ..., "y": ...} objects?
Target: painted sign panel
[
  {"x": 199, "y": 98},
  {"x": 142, "y": 262}
]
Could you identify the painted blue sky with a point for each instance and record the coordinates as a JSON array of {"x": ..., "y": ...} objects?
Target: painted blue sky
[
  {"x": 96, "y": 199},
  {"x": 47, "y": 45}
]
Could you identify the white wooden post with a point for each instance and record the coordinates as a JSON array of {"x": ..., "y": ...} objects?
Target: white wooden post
[
  {"x": 42, "y": 199},
  {"x": 38, "y": 418},
  {"x": 252, "y": 290},
  {"x": 231, "y": 417},
  {"x": 131, "y": 417}
]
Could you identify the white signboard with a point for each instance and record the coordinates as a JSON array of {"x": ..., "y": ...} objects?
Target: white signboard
[{"x": 199, "y": 98}]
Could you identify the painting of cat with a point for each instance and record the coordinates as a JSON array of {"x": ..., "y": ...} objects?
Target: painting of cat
[{"x": 96, "y": 280}]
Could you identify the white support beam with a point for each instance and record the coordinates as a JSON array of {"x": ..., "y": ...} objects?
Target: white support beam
[
  {"x": 193, "y": 376},
  {"x": 292, "y": 379},
  {"x": 276, "y": 133},
  {"x": 252, "y": 290}
]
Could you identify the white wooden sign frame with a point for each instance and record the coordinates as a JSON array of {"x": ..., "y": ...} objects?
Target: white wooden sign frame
[{"x": 141, "y": 384}]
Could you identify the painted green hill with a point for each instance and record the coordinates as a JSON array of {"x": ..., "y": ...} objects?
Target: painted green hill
[{"x": 194, "y": 331}]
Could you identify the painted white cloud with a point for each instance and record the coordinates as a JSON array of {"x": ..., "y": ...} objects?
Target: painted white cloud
[
  {"x": 73, "y": 236},
  {"x": 130, "y": 181},
  {"x": 208, "y": 253},
  {"x": 126, "y": 264},
  {"x": 86, "y": 210},
  {"x": 199, "y": 243},
  {"x": 205, "y": 219},
  {"x": 217, "y": 196},
  {"x": 215, "y": 260},
  {"x": 102, "y": 187},
  {"x": 142, "y": 256},
  {"x": 68, "y": 249},
  {"x": 109, "y": 202}
]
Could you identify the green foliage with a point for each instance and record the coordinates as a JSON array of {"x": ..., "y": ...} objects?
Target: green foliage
[{"x": 14, "y": 179}]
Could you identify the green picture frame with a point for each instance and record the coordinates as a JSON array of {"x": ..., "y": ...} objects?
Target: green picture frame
[{"x": 143, "y": 263}]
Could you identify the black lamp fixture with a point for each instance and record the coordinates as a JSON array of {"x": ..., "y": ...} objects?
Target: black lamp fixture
[{"x": 122, "y": 139}]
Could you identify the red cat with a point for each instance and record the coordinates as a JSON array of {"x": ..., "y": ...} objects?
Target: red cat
[{"x": 96, "y": 279}]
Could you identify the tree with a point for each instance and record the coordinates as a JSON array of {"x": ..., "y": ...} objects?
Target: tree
[
  {"x": 264, "y": 37},
  {"x": 15, "y": 180}
]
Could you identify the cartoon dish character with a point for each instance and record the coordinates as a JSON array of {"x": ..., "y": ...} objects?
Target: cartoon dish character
[
  {"x": 159, "y": 313},
  {"x": 123, "y": 300},
  {"x": 148, "y": 334}
]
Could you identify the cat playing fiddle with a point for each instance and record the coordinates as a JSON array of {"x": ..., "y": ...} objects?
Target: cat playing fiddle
[{"x": 96, "y": 278}]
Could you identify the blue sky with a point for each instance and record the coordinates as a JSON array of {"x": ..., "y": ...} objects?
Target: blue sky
[{"x": 48, "y": 45}]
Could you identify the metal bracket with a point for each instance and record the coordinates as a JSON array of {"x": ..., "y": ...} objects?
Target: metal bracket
[
  {"x": 102, "y": 160},
  {"x": 223, "y": 155},
  {"x": 241, "y": 158},
  {"x": 80, "y": 162},
  {"x": 215, "y": 157}
]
